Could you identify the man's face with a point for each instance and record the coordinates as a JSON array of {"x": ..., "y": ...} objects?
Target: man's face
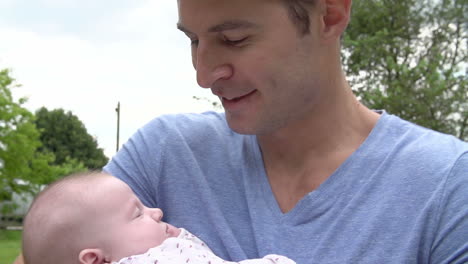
[
  {"x": 124, "y": 223},
  {"x": 252, "y": 57}
]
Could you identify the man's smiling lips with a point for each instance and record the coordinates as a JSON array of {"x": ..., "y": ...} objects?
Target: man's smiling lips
[{"x": 236, "y": 102}]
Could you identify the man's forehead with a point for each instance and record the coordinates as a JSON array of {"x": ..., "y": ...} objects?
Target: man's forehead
[
  {"x": 221, "y": 15},
  {"x": 232, "y": 1}
]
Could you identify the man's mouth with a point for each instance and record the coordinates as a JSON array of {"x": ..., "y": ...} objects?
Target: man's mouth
[{"x": 236, "y": 99}]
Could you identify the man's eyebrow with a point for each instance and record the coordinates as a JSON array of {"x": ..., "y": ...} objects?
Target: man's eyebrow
[
  {"x": 231, "y": 25},
  {"x": 226, "y": 25}
]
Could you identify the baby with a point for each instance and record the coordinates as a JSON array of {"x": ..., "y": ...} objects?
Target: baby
[{"x": 95, "y": 218}]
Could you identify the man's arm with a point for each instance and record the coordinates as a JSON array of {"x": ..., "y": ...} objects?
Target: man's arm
[{"x": 451, "y": 243}]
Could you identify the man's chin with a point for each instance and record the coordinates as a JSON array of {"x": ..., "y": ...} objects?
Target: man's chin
[{"x": 240, "y": 126}]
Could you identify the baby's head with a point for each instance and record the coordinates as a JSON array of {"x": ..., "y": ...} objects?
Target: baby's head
[{"x": 90, "y": 218}]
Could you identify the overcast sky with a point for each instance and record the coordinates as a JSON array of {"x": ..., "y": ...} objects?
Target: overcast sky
[{"x": 86, "y": 55}]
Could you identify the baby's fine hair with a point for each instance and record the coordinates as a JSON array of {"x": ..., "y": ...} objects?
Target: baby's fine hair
[{"x": 49, "y": 226}]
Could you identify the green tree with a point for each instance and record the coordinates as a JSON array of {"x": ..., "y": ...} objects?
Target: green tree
[
  {"x": 215, "y": 104},
  {"x": 410, "y": 58},
  {"x": 23, "y": 169},
  {"x": 46, "y": 171},
  {"x": 19, "y": 139},
  {"x": 64, "y": 135}
]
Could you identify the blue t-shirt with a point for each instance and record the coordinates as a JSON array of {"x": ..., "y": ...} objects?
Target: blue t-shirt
[{"x": 401, "y": 197}]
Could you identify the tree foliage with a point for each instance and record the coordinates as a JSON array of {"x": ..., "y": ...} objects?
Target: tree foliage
[
  {"x": 64, "y": 135},
  {"x": 19, "y": 140},
  {"x": 24, "y": 165},
  {"x": 410, "y": 58},
  {"x": 215, "y": 104}
]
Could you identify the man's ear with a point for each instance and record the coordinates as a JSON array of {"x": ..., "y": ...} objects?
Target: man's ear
[
  {"x": 92, "y": 256},
  {"x": 336, "y": 17}
]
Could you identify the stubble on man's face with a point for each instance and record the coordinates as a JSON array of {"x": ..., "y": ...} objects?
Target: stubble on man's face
[{"x": 277, "y": 63}]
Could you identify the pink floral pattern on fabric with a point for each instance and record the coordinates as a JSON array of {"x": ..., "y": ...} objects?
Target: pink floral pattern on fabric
[{"x": 187, "y": 248}]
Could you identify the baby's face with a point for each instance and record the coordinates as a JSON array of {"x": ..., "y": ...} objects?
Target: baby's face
[{"x": 127, "y": 226}]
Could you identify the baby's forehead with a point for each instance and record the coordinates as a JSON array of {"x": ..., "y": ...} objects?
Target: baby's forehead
[
  {"x": 108, "y": 190},
  {"x": 90, "y": 195},
  {"x": 73, "y": 192},
  {"x": 96, "y": 184}
]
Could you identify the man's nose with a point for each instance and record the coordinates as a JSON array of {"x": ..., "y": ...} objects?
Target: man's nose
[
  {"x": 156, "y": 214},
  {"x": 210, "y": 67}
]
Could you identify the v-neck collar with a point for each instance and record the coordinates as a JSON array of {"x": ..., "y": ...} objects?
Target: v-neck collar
[{"x": 322, "y": 198}]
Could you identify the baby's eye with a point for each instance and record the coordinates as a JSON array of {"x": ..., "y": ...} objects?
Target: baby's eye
[{"x": 138, "y": 213}]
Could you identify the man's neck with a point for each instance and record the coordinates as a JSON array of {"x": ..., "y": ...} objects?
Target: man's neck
[{"x": 300, "y": 157}]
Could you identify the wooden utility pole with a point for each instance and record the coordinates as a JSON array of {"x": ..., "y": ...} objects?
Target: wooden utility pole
[{"x": 118, "y": 125}]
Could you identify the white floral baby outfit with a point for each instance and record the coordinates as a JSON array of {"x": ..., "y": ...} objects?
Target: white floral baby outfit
[{"x": 187, "y": 248}]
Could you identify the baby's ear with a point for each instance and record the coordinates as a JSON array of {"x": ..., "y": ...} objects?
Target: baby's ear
[{"x": 92, "y": 256}]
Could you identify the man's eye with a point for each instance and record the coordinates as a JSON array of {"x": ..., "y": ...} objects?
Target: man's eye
[{"x": 235, "y": 42}]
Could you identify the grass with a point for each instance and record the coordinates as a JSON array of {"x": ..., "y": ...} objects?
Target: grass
[{"x": 10, "y": 245}]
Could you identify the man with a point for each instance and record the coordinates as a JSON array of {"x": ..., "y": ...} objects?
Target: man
[{"x": 296, "y": 166}]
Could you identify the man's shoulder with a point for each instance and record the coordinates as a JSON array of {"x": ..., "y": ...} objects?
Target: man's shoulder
[
  {"x": 412, "y": 137},
  {"x": 418, "y": 147},
  {"x": 187, "y": 133},
  {"x": 187, "y": 127},
  {"x": 209, "y": 118},
  {"x": 190, "y": 122}
]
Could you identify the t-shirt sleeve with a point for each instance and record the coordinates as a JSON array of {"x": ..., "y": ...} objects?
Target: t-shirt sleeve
[
  {"x": 451, "y": 242},
  {"x": 138, "y": 162},
  {"x": 165, "y": 147}
]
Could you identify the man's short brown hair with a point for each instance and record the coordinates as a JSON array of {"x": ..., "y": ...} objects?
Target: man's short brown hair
[{"x": 299, "y": 13}]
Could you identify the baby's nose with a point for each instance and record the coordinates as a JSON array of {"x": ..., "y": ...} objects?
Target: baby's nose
[{"x": 156, "y": 214}]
